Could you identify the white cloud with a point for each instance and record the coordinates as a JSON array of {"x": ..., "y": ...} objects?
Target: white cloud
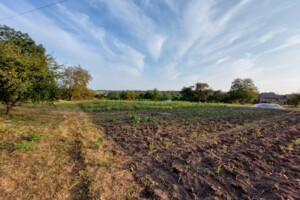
[
  {"x": 170, "y": 72},
  {"x": 130, "y": 56},
  {"x": 271, "y": 35},
  {"x": 142, "y": 27},
  {"x": 222, "y": 60},
  {"x": 291, "y": 41},
  {"x": 156, "y": 45}
]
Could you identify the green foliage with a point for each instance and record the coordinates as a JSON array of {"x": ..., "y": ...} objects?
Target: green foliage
[
  {"x": 187, "y": 93},
  {"x": 135, "y": 119},
  {"x": 105, "y": 164},
  {"x": 243, "y": 91},
  {"x": 128, "y": 95},
  {"x": 151, "y": 146},
  {"x": 106, "y": 105},
  {"x": 24, "y": 70},
  {"x": 294, "y": 100},
  {"x": 199, "y": 93},
  {"x": 202, "y": 92},
  {"x": 154, "y": 95},
  {"x": 113, "y": 96},
  {"x": 48, "y": 88},
  {"x": 34, "y": 137},
  {"x": 219, "y": 96},
  {"x": 74, "y": 84},
  {"x": 24, "y": 146}
]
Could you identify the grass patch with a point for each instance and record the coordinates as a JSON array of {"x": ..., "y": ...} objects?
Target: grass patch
[
  {"x": 24, "y": 146},
  {"x": 32, "y": 137},
  {"x": 106, "y": 164}
]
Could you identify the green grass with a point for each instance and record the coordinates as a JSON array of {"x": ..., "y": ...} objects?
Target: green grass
[
  {"x": 24, "y": 146},
  {"x": 34, "y": 137},
  {"x": 110, "y": 105}
]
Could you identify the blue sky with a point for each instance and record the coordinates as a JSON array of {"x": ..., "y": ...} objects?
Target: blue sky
[{"x": 168, "y": 44}]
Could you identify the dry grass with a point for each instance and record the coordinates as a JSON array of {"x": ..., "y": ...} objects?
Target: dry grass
[{"x": 58, "y": 153}]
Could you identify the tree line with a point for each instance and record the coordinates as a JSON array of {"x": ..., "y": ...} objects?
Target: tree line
[{"x": 242, "y": 91}]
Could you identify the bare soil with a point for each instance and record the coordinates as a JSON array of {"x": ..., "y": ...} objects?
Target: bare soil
[{"x": 187, "y": 154}]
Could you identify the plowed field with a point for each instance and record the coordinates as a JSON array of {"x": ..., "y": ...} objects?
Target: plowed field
[{"x": 209, "y": 152}]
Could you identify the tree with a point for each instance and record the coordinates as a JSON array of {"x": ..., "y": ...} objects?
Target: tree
[
  {"x": 294, "y": 100},
  {"x": 113, "y": 96},
  {"x": 243, "y": 91},
  {"x": 202, "y": 92},
  {"x": 128, "y": 95},
  {"x": 154, "y": 94},
  {"x": 23, "y": 66},
  {"x": 187, "y": 93},
  {"x": 74, "y": 83},
  {"x": 219, "y": 96},
  {"x": 47, "y": 89}
]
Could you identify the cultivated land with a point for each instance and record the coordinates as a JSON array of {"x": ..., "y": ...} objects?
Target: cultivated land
[{"x": 149, "y": 150}]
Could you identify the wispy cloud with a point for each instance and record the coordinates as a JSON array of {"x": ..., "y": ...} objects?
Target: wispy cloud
[{"x": 270, "y": 35}]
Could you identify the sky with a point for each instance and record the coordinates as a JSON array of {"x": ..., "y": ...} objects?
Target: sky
[{"x": 168, "y": 44}]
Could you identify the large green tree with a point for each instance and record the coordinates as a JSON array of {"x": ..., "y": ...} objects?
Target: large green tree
[
  {"x": 202, "y": 92},
  {"x": 23, "y": 68},
  {"x": 74, "y": 83},
  {"x": 243, "y": 91}
]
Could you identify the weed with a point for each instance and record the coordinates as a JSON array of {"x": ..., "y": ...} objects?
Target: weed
[
  {"x": 290, "y": 147},
  {"x": 168, "y": 143},
  {"x": 258, "y": 132},
  {"x": 34, "y": 137},
  {"x": 98, "y": 144},
  {"x": 297, "y": 141},
  {"x": 187, "y": 166},
  {"x": 148, "y": 119},
  {"x": 194, "y": 135},
  {"x": 217, "y": 169},
  {"x": 24, "y": 146},
  {"x": 135, "y": 119},
  {"x": 282, "y": 148},
  {"x": 106, "y": 164},
  {"x": 225, "y": 148},
  {"x": 2, "y": 145},
  {"x": 151, "y": 146}
]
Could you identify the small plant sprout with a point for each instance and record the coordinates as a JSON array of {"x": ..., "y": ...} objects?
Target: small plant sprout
[
  {"x": 282, "y": 148},
  {"x": 297, "y": 141},
  {"x": 151, "y": 146},
  {"x": 217, "y": 169},
  {"x": 258, "y": 132},
  {"x": 135, "y": 119},
  {"x": 194, "y": 135},
  {"x": 290, "y": 147},
  {"x": 225, "y": 148}
]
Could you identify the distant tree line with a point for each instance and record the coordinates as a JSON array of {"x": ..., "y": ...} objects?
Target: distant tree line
[
  {"x": 155, "y": 95},
  {"x": 242, "y": 91}
]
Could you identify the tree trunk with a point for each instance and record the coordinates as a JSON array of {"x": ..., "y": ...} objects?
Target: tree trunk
[{"x": 9, "y": 106}]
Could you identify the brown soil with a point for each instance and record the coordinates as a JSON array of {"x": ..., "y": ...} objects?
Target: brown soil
[{"x": 250, "y": 155}]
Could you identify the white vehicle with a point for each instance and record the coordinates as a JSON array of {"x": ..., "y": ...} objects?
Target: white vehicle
[{"x": 268, "y": 105}]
